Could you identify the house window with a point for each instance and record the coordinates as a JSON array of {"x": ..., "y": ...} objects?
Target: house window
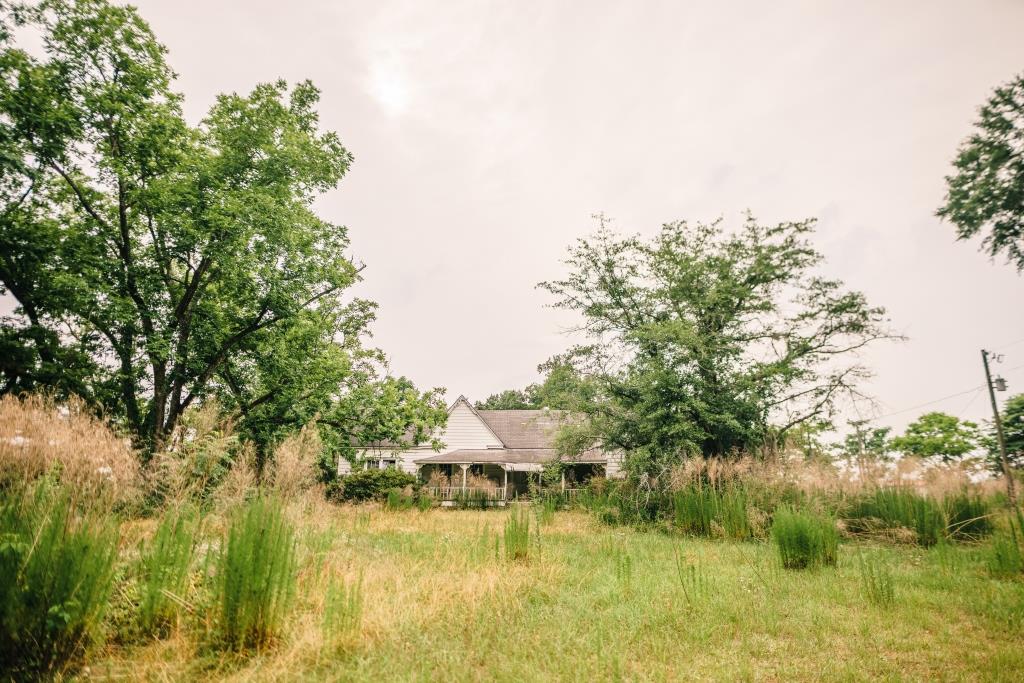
[{"x": 386, "y": 464}]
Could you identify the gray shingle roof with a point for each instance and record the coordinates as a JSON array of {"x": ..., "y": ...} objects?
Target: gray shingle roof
[{"x": 525, "y": 428}]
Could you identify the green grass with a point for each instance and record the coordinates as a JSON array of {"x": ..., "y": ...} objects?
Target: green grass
[
  {"x": 255, "y": 579},
  {"x": 439, "y": 601},
  {"x": 165, "y": 565},
  {"x": 56, "y": 575},
  {"x": 704, "y": 510},
  {"x": 804, "y": 539},
  {"x": 517, "y": 535},
  {"x": 963, "y": 516}
]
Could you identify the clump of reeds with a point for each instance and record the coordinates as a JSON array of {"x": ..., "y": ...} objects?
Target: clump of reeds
[
  {"x": 1006, "y": 556},
  {"x": 255, "y": 576},
  {"x": 165, "y": 568},
  {"x": 877, "y": 581},
  {"x": 197, "y": 460},
  {"x": 57, "y": 568},
  {"x": 804, "y": 539},
  {"x": 517, "y": 536},
  {"x": 707, "y": 510},
  {"x": 343, "y": 610}
]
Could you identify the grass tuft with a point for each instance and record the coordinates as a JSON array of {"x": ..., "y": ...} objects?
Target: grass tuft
[
  {"x": 56, "y": 573},
  {"x": 876, "y": 581},
  {"x": 517, "y": 536},
  {"x": 255, "y": 578},
  {"x": 804, "y": 539},
  {"x": 165, "y": 565}
]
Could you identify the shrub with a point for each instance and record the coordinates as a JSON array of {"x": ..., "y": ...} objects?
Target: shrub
[
  {"x": 877, "y": 581},
  {"x": 373, "y": 484},
  {"x": 804, "y": 539},
  {"x": 473, "y": 499},
  {"x": 57, "y": 569},
  {"x": 255, "y": 577},
  {"x": 424, "y": 502},
  {"x": 165, "y": 565},
  {"x": 517, "y": 536},
  {"x": 397, "y": 500}
]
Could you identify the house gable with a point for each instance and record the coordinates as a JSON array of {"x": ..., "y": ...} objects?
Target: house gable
[{"x": 467, "y": 430}]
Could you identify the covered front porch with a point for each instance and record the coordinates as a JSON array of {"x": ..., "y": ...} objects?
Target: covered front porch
[{"x": 498, "y": 475}]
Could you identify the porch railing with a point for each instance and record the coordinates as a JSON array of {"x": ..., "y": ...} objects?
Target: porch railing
[{"x": 456, "y": 492}]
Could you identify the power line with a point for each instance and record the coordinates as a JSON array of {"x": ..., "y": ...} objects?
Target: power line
[{"x": 945, "y": 398}]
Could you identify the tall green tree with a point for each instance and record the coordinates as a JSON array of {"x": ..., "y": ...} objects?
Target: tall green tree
[
  {"x": 156, "y": 264},
  {"x": 985, "y": 194},
  {"x": 702, "y": 336},
  {"x": 1012, "y": 418},
  {"x": 562, "y": 388},
  {"x": 938, "y": 434}
]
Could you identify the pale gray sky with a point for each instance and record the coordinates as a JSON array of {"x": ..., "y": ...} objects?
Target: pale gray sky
[{"x": 486, "y": 134}]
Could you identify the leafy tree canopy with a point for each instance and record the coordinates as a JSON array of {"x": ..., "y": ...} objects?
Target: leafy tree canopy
[
  {"x": 986, "y": 193},
  {"x": 701, "y": 336},
  {"x": 1012, "y": 418},
  {"x": 155, "y": 264},
  {"x": 938, "y": 434},
  {"x": 563, "y": 388},
  {"x": 864, "y": 443}
]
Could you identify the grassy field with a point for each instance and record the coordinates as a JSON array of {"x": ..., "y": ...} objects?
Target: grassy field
[{"x": 434, "y": 597}]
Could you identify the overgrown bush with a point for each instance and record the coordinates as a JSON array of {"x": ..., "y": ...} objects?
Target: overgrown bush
[
  {"x": 517, "y": 535},
  {"x": 56, "y": 573},
  {"x": 804, "y": 539},
  {"x": 371, "y": 484},
  {"x": 165, "y": 568},
  {"x": 255, "y": 576}
]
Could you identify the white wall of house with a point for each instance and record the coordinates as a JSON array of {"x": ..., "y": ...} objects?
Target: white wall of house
[{"x": 464, "y": 431}]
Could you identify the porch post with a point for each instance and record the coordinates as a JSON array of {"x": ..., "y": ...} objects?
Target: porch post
[
  {"x": 563, "y": 481},
  {"x": 464, "y": 469},
  {"x": 505, "y": 470}
]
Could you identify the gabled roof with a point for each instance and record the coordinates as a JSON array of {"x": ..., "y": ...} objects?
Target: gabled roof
[
  {"x": 513, "y": 429},
  {"x": 525, "y": 428}
]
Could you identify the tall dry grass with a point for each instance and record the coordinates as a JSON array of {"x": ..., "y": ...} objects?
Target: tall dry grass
[
  {"x": 39, "y": 435},
  {"x": 293, "y": 472}
]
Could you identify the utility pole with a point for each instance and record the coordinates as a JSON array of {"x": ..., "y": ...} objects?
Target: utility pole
[{"x": 1011, "y": 491}]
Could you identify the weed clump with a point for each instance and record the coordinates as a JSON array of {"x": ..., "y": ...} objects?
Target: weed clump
[
  {"x": 804, "y": 539},
  {"x": 877, "y": 581},
  {"x": 255, "y": 579},
  {"x": 517, "y": 536},
  {"x": 57, "y": 569},
  {"x": 165, "y": 566}
]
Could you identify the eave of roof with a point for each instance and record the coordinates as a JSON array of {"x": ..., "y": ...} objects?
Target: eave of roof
[{"x": 509, "y": 456}]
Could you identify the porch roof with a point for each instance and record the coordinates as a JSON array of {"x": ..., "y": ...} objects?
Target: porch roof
[{"x": 507, "y": 456}]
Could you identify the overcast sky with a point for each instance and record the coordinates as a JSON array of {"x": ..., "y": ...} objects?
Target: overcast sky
[{"x": 486, "y": 134}]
